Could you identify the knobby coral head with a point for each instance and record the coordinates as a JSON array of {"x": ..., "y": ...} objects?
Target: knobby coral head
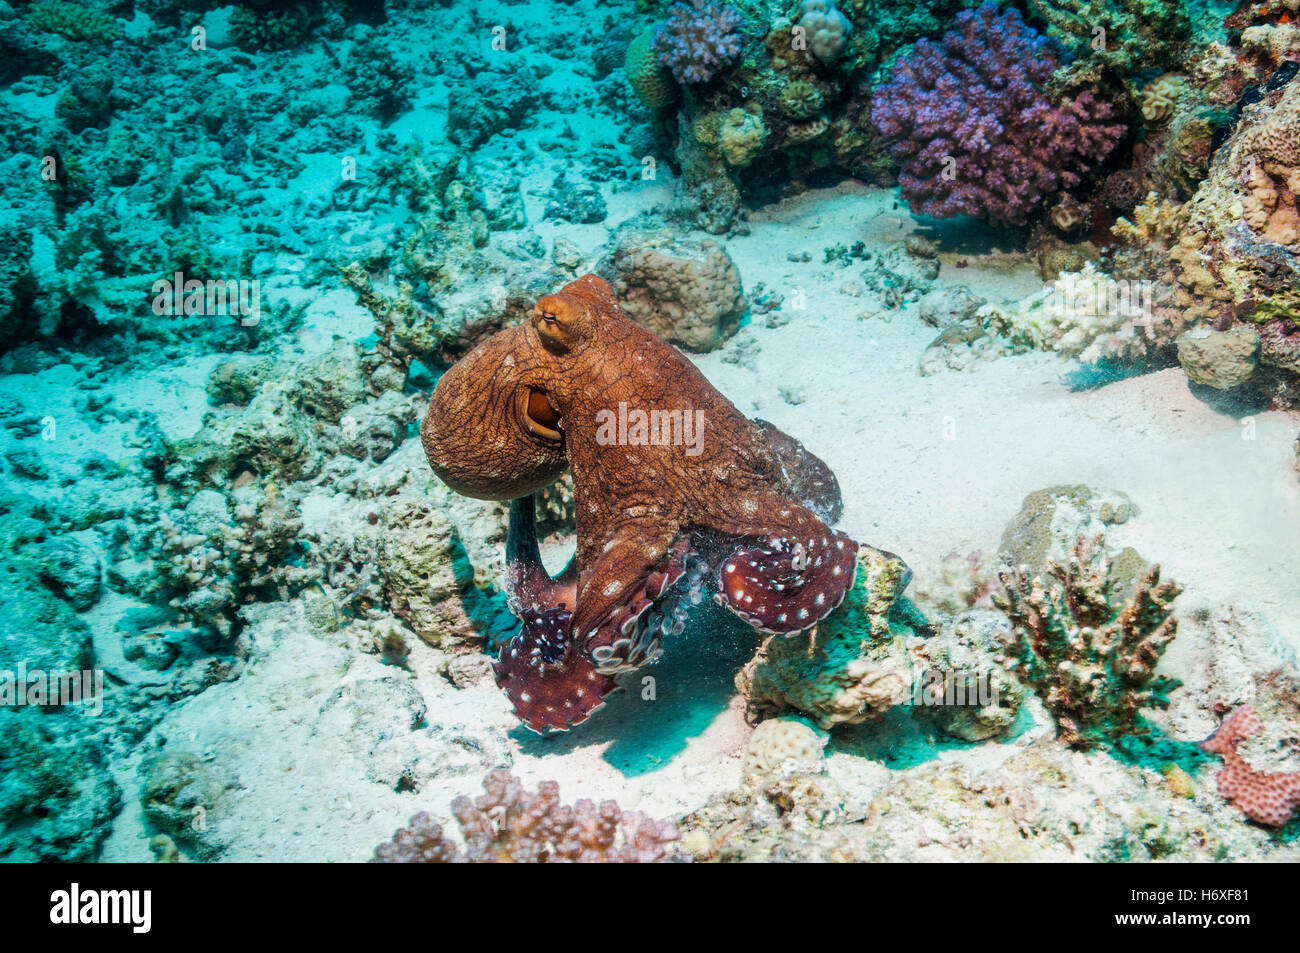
[{"x": 974, "y": 131}]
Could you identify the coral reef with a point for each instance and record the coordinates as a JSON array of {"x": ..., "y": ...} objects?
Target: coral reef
[
  {"x": 301, "y": 631},
  {"x": 973, "y": 129},
  {"x": 1227, "y": 257},
  {"x": 510, "y": 825},
  {"x": 1044, "y": 801},
  {"x": 1089, "y": 657}
]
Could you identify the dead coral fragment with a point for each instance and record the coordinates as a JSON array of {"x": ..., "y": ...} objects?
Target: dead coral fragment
[
  {"x": 1093, "y": 665},
  {"x": 511, "y": 826},
  {"x": 1266, "y": 798}
]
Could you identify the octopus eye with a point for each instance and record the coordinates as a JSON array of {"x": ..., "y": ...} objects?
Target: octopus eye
[
  {"x": 557, "y": 319},
  {"x": 539, "y": 416}
]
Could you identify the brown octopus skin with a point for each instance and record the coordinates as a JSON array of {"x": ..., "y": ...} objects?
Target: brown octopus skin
[{"x": 634, "y": 503}]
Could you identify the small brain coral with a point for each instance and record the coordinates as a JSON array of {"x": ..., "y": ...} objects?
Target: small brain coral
[
  {"x": 827, "y": 29},
  {"x": 974, "y": 130},
  {"x": 1160, "y": 96},
  {"x": 697, "y": 40},
  {"x": 510, "y": 825},
  {"x": 1266, "y": 798},
  {"x": 650, "y": 81}
]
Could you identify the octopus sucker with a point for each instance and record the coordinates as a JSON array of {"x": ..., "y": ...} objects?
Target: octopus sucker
[{"x": 653, "y": 519}]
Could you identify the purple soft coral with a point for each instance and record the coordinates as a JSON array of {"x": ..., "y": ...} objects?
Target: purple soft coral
[
  {"x": 698, "y": 39},
  {"x": 973, "y": 129}
]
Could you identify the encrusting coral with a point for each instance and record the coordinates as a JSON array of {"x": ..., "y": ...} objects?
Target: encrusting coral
[
  {"x": 1268, "y": 798},
  {"x": 510, "y": 825},
  {"x": 1091, "y": 659}
]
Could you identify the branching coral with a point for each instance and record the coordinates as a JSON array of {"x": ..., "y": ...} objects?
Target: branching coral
[
  {"x": 75, "y": 21},
  {"x": 1093, "y": 663},
  {"x": 1124, "y": 36},
  {"x": 698, "y": 39},
  {"x": 510, "y": 825},
  {"x": 269, "y": 28},
  {"x": 974, "y": 130},
  {"x": 1268, "y": 798}
]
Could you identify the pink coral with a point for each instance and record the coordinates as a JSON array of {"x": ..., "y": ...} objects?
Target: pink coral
[
  {"x": 698, "y": 39},
  {"x": 1266, "y": 798},
  {"x": 510, "y": 825},
  {"x": 973, "y": 129}
]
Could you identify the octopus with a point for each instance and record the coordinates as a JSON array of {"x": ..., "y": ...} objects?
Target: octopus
[{"x": 676, "y": 493}]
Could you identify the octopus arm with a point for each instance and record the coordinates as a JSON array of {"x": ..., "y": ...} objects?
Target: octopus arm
[
  {"x": 529, "y": 587},
  {"x": 788, "y": 570},
  {"x": 812, "y": 481},
  {"x": 626, "y": 598},
  {"x": 550, "y": 683}
]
